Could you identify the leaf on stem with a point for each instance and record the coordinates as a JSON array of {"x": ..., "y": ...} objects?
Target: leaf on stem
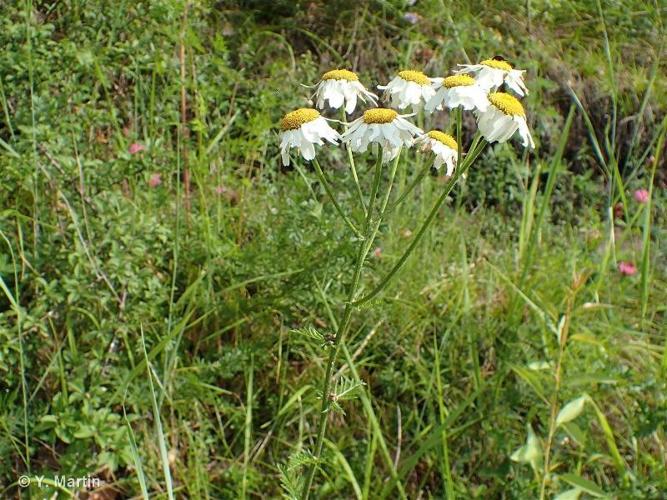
[
  {"x": 571, "y": 410},
  {"x": 585, "y": 485},
  {"x": 530, "y": 452},
  {"x": 571, "y": 494},
  {"x": 310, "y": 333}
]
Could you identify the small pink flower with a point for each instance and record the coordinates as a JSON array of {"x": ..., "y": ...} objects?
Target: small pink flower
[
  {"x": 627, "y": 268},
  {"x": 135, "y": 148},
  {"x": 155, "y": 180},
  {"x": 377, "y": 252},
  {"x": 641, "y": 195},
  {"x": 220, "y": 190}
]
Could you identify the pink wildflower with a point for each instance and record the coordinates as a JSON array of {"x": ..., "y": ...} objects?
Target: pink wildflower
[
  {"x": 627, "y": 268},
  {"x": 377, "y": 252},
  {"x": 135, "y": 148},
  {"x": 641, "y": 195},
  {"x": 155, "y": 180}
]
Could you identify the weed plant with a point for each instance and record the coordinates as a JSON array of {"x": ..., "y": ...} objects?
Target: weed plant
[{"x": 156, "y": 257}]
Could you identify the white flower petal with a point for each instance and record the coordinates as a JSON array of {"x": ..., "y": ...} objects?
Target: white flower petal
[
  {"x": 341, "y": 92},
  {"x": 524, "y": 132}
]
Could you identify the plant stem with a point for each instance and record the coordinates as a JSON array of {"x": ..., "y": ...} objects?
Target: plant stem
[
  {"x": 327, "y": 188},
  {"x": 412, "y": 185},
  {"x": 646, "y": 230},
  {"x": 475, "y": 149},
  {"x": 459, "y": 126},
  {"x": 562, "y": 342},
  {"x": 446, "y": 468},
  {"x": 185, "y": 131},
  {"x": 353, "y": 168},
  {"x": 364, "y": 247},
  {"x": 459, "y": 145},
  {"x": 546, "y": 197},
  {"x": 552, "y": 422}
]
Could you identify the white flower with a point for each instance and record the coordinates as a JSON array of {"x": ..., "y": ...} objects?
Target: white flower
[
  {"x": 443, "y": 146},
  {"x": 302, "y": 129},
  {"x": 408, "y": 88},
  {"x": 384, "y": 127},
  {"x": 503, "y": 117},
  {"x": 342, "y": 86},
  {"x": 492, "y": 73},
  {"x": 455, "y": 91}
]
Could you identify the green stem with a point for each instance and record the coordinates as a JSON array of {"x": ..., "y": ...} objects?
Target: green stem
[
  {"x": 459, "y": 146},
  {"x": 374, "y": 190},
  {"x": 364, "y": 246},
  {"x": 475, "y": 149},
  {"x": 646, "y": 231},
  {"x": 411, "y": 187},
  {"x": 375, "y": 425},
  {"x": 459, "y": 125},
  {"x": 353, "y": 168},
  {"x": 548, "y": 191},
  {"x": 446, "y": 468},
  {"x": 383, "y": 208},
  {"x": 327, "y": 188}
]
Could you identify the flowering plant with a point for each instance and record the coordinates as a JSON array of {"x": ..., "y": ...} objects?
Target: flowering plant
[{"x": 387, "y": 133}]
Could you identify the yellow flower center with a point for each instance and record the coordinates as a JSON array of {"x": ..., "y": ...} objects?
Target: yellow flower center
[
  {"x": 506, "y": 103},
  {"x": 414, "y": 76},
  {"x": 496, "y": 64},
  {"x": 379, "y": 115},
  {"x": 458, "y": 81},
  {"x": 445, "y": 139},
  {"x": 340, "y": 74},
  {"x": 295, "y": 119}
]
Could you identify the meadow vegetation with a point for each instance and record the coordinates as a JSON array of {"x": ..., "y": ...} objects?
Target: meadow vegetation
[{"x": 168, "y": 288}]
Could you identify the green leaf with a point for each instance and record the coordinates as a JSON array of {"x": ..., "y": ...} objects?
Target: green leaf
[
  {"x": 611, "y": 441},
  {"x": 559, "y": 329},
  {"x": 585, "y": 485},
  {"x": 309, "y": 332},
  {"x": 539, "y": 365},
  {"x": 530, "y": 452},
  {"x": 533, "y": 379},
  {"x": 575, "y": 433},
  {"x": 571, "y": 410},
  {"x": 84, "y": 432},
  {"x": 571, "y": 494}
]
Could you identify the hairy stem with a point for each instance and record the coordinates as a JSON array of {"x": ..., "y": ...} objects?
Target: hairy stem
[
  {"x": 353, "y": 168},
  {"x": 411, "y": 187},
  {"x": 327, "y": 188},
  {"x": 475, "y": 149},
  {"x": 371, "y": 229},
  {"x": 362, "y": 251}
]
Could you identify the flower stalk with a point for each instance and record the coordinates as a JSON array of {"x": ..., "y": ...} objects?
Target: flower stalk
[
  {"x": 475, "y": 150},
  {"x": 327, "y": 188},
  {"x": 499, "y": 116},
  {"x": 353, "y": 168},
  {"x": 362, "y": 252}
]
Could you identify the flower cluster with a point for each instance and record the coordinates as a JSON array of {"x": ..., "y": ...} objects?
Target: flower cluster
[{"x": 473, "y": 87}]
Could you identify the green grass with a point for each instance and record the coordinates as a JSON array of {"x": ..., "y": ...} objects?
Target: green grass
[{"x": 174, "y": 345}]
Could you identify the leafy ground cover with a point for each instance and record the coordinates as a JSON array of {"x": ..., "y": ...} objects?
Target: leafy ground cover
[{"x": 166, "y": 282}]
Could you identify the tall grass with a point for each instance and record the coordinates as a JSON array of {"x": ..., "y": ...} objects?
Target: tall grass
[{"x": 161, "y": 338}]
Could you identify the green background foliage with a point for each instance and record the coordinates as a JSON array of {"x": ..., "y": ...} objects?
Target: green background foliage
[{"x": 173, "y": 344}]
